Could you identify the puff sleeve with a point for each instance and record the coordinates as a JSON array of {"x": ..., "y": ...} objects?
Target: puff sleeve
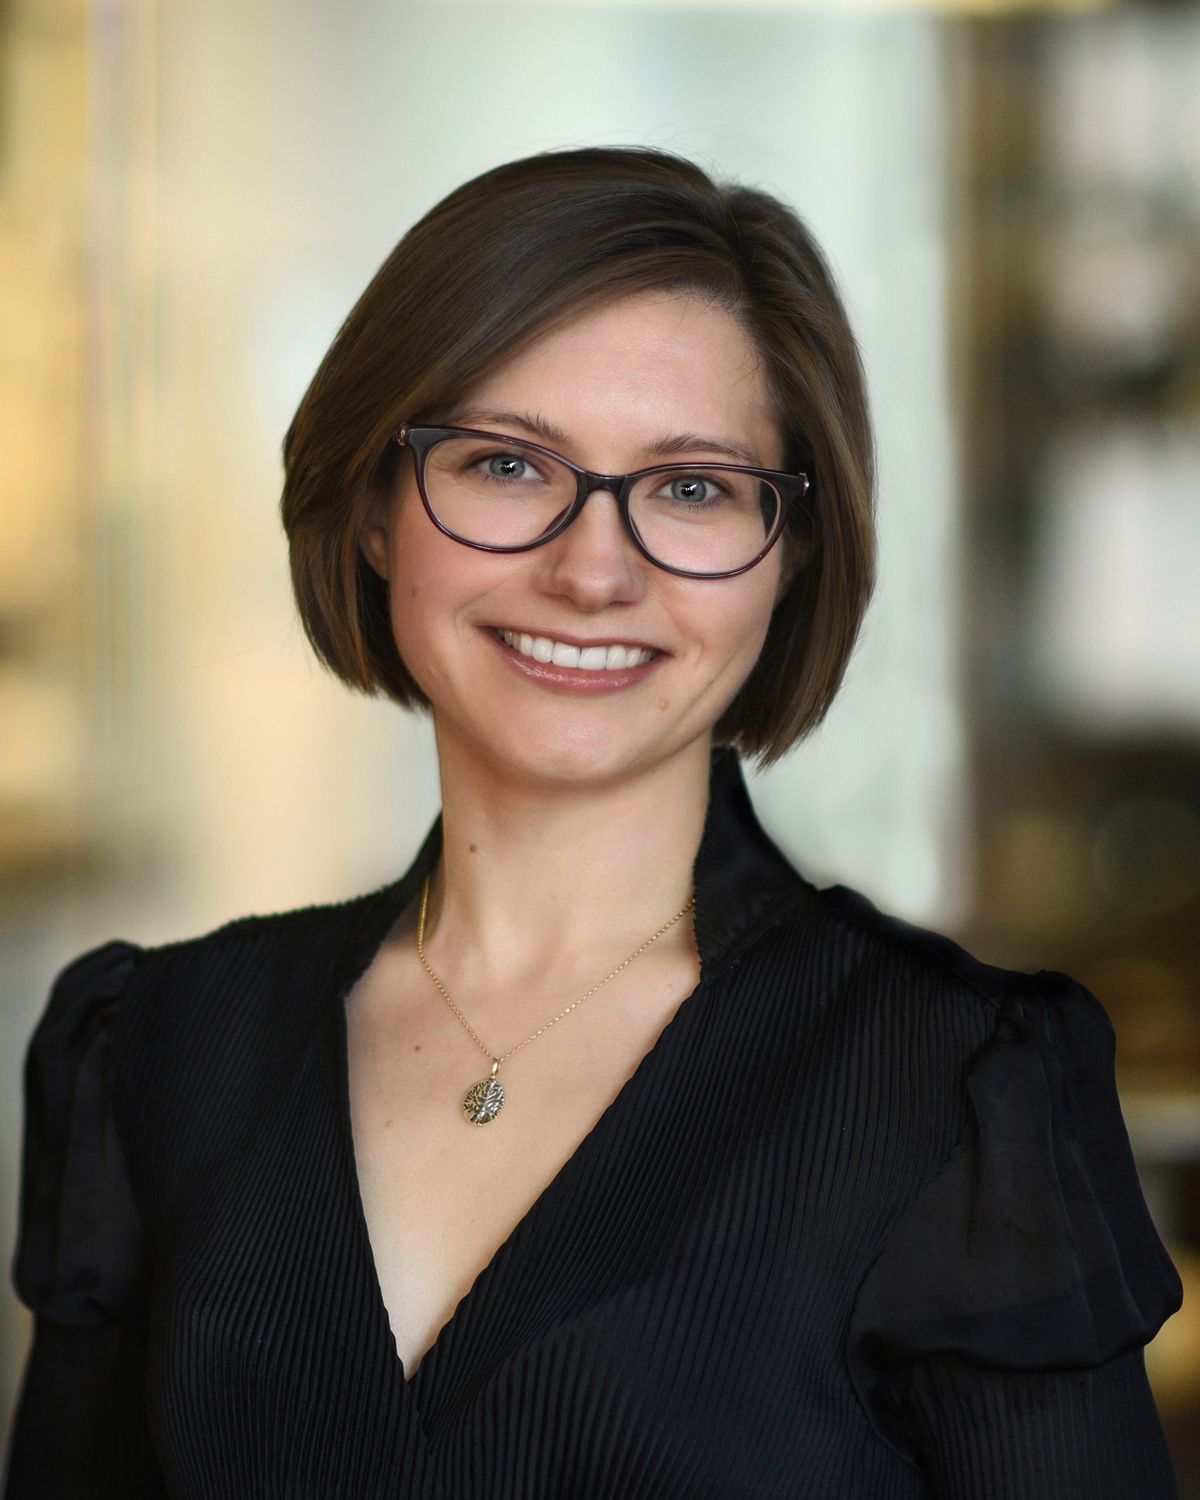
[
  {"x": 997, "y": 1340},
  {"x": 81, "y": 1266}
]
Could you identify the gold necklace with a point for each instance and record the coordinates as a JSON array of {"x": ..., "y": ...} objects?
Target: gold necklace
[{"x": 483, "y": 1100}]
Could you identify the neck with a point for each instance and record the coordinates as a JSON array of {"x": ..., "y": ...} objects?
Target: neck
[{"x": 541, "y": 885}]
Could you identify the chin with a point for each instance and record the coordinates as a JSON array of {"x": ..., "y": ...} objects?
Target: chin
[
  {"x": 569, "y": 761},
  {"x": 576, "y": 756}
]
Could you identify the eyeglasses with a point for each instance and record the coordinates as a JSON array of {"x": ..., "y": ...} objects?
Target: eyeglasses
[{"x": 503, "y": 494}]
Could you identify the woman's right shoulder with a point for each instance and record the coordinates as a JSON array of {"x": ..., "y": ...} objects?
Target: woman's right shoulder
[
  {"x": 85, "y": 998},
  {"x": 237, "y": 968}
]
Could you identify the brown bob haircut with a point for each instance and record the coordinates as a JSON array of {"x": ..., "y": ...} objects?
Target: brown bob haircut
[{"x": 518, "y": 251}]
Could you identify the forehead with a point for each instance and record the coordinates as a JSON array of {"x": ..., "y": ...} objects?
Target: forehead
[{"x": 637, "y": 368}]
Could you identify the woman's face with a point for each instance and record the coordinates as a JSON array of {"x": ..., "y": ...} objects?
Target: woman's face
[{"x": 606, "y": 391}]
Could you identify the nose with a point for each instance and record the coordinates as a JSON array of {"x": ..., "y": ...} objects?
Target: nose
[{"x": 594, "y": 562}]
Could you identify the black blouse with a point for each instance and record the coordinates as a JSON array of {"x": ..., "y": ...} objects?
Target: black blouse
[{"x": 864, "y": 1222}]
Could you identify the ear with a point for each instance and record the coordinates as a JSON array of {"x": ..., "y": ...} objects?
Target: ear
[
  {"x": 374, "y": 535},
  {"x": 799, "y": 546},
  {"x": 787, "y": 571}
]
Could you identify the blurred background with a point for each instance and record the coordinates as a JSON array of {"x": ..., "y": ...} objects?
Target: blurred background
[{"x": 191, "y": 198}]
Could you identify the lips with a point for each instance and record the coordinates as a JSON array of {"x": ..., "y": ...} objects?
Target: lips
[{"x": 616, "y": 656}]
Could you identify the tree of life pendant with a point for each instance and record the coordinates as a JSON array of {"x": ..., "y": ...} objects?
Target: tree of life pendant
[{"x": 483, "y": 1100}]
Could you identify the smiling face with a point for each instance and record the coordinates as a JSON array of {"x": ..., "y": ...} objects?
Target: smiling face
[{"x": 475, "y": 629}]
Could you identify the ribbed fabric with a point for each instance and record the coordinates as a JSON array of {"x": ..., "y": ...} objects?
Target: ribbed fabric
[
  {"x": 863, "y": 1223},
  {"x": 1003, "y": 1437}
]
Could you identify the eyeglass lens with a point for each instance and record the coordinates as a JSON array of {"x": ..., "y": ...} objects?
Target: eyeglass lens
[{"x": 695, "y": 518}]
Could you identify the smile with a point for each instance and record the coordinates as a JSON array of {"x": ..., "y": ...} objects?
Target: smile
[{"x": 615, "y": 658}]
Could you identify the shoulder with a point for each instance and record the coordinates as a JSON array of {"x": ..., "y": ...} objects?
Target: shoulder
[
  {"x": 72, "y": 1032},
  {"x": 892, "y": 949},
  {"x": 180, "y": 1037},
  {"x": 920, "y": 996},
  {"x": 1022, "y": 1062},
  {"x": 312, "y": 932},
  {"x": 920, "y": 951},
  {"x": 132, "y": 992},
  {"x": 1022, "y": 1241},
  {"x": 313, "y": 923}
]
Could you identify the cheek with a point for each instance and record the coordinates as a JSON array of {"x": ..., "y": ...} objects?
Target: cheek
[
  {"x": 751, "y": 612},
  {"x": 412, "y": 597},
  {"x": 406, "y": 610},
  {"x": 415, "y": 567},
  {"x": 733, "y": 617}
]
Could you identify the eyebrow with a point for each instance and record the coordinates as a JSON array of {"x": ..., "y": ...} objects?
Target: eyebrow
[{"x": 679, "y": 442}]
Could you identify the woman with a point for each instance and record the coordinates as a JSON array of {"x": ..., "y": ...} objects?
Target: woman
[{"x": 600, "y": 1154}]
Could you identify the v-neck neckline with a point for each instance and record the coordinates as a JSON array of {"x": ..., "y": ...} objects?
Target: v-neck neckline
[
  {"x": 389, "y": 911},
  {"x": 742, "y": 882}
]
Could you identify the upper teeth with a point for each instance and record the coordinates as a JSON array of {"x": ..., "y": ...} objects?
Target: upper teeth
[{"x": 590, "y": 658}]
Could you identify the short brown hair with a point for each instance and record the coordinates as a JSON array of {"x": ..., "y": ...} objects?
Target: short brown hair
[{"x": 517, "y": 251}]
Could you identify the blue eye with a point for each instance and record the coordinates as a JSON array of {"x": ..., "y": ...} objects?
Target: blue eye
[
  {"x": 503, "y": 465},
  {"x": 694, "y": 489},
  {"x": 688, "y": 489}
]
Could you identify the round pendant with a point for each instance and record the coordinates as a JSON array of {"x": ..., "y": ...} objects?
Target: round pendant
[{"x": 483, "y": 1100}]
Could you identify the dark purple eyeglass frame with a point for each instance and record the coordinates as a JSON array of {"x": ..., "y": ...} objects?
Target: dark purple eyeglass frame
[{"x": 791, "y": 487}]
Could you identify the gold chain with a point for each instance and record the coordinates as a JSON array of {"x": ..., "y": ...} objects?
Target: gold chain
[{"x": 666, "y": 927}]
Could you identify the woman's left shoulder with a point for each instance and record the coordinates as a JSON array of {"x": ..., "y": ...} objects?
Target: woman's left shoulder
[
  {"x": 921, "y": 967},
  {"x": 1029, "y": 1246}
]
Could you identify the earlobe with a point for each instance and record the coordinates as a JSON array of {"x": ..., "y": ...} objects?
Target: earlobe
[
  {"x": 798, "y": 551},
  {"x": 791, "y": 566},
  {"x": 373, "y": 536}
]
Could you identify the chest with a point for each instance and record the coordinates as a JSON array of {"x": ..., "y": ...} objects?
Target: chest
[
  {"x": 441, "y": 1195},
  {"x": 669, "y": 1241}
]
